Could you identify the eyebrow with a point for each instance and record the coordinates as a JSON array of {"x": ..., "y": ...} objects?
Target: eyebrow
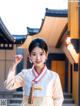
[{"x": 39, "y": 52}]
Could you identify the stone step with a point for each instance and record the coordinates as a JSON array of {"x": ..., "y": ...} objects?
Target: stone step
[
  {"x": 62, "y": 105},
  {"x": 66, "y": 95},
  {"x": 19, "y": 100},
  {"x": 19, "y": 94},
  {"x": 10, "y": 93},
  {"x": 14, "y": 104},
  {"x": 15, "y": 98},
  {"x": 68, "y": 105}
]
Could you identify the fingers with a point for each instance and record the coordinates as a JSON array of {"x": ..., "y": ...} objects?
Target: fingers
[{"x": 18, "y": 58}]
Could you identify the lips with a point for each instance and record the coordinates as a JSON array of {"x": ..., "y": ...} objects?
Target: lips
[{"x": 38, "y": 62}]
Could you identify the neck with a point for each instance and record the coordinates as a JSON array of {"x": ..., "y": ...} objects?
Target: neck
[{"x": 39, "y": 69}]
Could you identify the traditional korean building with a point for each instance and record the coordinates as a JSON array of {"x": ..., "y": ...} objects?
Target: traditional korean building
[
  {"x": 61, "y": 32},
  {"x": 8, "y": 49},
  {"x": 57, "y": 28},
  {"x": 52, "y": 29},
  {"x": 74, "y": 34}
]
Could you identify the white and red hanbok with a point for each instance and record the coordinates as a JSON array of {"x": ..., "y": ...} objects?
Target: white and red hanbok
[{"x": 47, "y": 90}]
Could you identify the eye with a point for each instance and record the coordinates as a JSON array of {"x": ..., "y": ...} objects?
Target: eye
[
  {"x": 41, "y": 54},
  {"x": 33, "y": 54}
]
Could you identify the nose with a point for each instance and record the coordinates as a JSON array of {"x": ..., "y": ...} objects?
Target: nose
[{"x": 37, "y": 57}]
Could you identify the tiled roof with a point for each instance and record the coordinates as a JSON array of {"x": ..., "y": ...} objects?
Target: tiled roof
[
  {"x": 32, "y": 31},
  {"x": 5, "y": 34},
  {"x": 56, "y": 13},
  {"x": 7, "y": 38}
]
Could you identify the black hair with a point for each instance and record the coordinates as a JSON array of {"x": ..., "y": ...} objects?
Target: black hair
[{"x": 38, "y": 43}]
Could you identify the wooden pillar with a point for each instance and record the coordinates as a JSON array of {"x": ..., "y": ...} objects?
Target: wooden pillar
[
  {"x": 79, "y": 58},
  {"x": 73, "y": 28},
  {"x": 73, "y": 18}
]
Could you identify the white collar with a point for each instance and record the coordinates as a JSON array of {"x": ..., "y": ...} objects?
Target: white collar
[{"x": 38, "y": 77}]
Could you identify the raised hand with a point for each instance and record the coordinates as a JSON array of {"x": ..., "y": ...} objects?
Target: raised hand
[{"x": 18, "y": 59}]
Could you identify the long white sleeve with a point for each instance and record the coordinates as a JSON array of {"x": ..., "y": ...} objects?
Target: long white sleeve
[
  {"x": 14, "y": 81},
  {"x": 58, "y": 93}
]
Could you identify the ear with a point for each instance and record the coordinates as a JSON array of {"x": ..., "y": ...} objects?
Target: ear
[
  {"x": 46, "y": 55},
  {"x": 30, "y": 59},
  {"x": 29, "y": 56}
]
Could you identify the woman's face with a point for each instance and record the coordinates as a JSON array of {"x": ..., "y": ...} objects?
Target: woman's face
[{"x": 38, "y": 57}]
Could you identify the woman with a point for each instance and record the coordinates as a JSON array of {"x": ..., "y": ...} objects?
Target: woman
[{"x": 41, "y": 86}]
